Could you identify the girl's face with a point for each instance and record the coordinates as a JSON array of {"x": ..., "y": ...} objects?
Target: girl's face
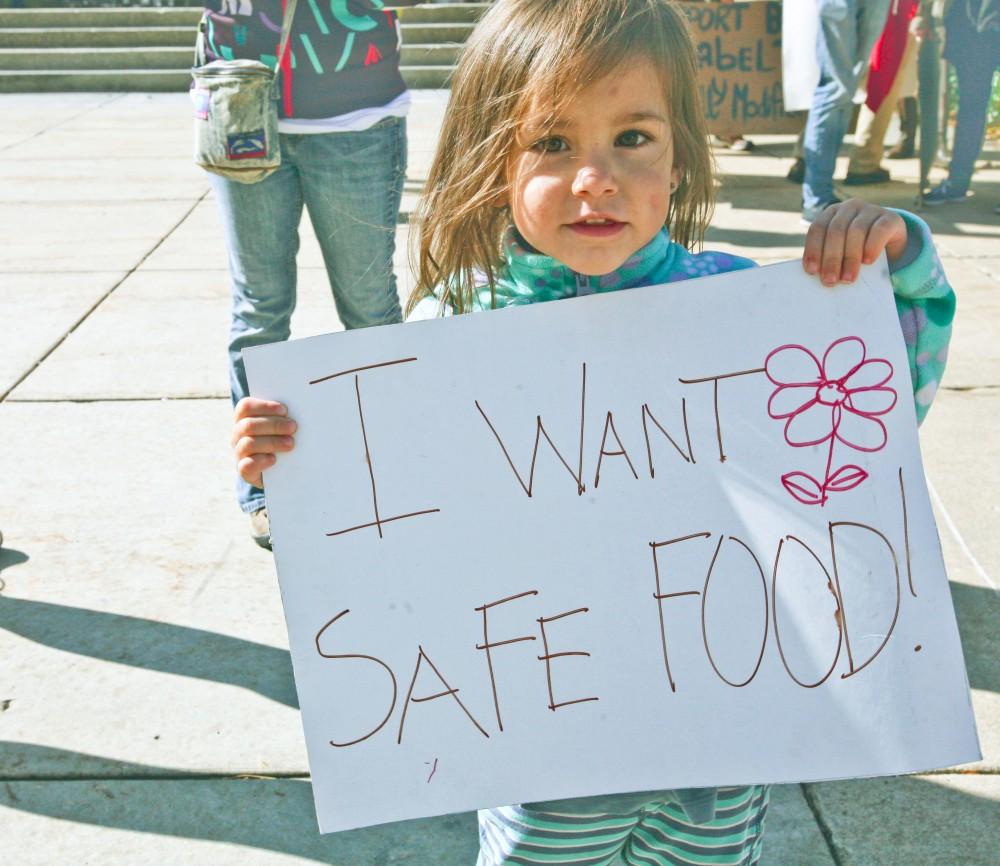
[{"x": 595, "y": 186}]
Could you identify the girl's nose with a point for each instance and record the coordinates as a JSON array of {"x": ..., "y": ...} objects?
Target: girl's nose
[{"x": 594, "y": 178}]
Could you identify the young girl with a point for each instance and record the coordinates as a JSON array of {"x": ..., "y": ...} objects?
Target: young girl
[{"x": 574, "y": 159}]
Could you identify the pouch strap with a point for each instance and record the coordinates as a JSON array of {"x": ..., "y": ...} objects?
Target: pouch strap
[
  {"x": 200, "y": 53},
  {"x": 199, "y": 44},
  {"x": 286, "y": 32}
]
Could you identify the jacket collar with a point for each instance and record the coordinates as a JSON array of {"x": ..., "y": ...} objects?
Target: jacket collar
[{"x": 531, "y": 277}]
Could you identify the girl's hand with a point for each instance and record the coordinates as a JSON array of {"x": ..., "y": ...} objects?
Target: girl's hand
[
  {"x": 261, "y": 429},
  {"x": 849, "y": 234}
]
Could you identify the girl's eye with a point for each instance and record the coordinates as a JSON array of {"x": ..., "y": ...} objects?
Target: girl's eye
[
  {"x": 632, "y": 138},
  {"x": 553, "y": 144}
]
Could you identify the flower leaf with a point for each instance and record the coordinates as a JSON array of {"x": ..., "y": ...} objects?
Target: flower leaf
[
  {"x": 846, "y": 478},
  {"x": 803, "y": 487}
]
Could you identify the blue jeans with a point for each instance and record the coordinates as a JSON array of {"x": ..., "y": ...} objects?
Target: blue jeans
[
  {"x": 974, "y": 85},
  {"x": 351, "y": 183},
  {"x": 848, "y": 29}
]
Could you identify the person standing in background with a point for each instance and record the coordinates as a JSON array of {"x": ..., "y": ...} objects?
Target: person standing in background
[
  {"x": 342, "y": 133},
  {"x": 972, "y": 46},
  {"x": 893, "y": 67},
  {"x": 799, "y": 70},
  {"x": 848, "y": 29}
]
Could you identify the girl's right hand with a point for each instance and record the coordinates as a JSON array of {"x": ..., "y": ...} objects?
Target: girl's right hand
[{"x": 261, "y": 430}]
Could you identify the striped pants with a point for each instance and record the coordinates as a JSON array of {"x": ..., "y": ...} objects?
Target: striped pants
[{"x": 659, "y": 834}]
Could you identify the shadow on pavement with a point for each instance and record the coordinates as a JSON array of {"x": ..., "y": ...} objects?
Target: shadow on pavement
[
  {"x": 270, "y": 814},
  {"x": 744, "y": 192},
  {"x": 752, "y": 238},
  {"x": 152, "y": 645},
  {"x": 277, "y": 815},
  {"x": 9, "y": 556},
  {"x": 978, "y": 612},
  {"x": 936, "y": 822},
  {"x": 17, "y": 760}
]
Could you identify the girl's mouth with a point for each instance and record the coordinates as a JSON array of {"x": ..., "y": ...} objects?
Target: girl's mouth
[{"x": 597, "y": 227}]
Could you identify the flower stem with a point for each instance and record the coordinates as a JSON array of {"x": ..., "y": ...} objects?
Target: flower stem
[{"x": 829, "y": 460}]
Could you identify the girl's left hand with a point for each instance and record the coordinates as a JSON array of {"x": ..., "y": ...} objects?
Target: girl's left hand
[{"x": 849, "y": 234}]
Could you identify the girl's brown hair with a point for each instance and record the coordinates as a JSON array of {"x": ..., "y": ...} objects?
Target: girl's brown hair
[{"x": 554, "y": 48}]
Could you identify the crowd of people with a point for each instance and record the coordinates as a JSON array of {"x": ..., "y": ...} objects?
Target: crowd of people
[
  {"x": 874, "y": 45},
  {"x": 880, "y": 68}
]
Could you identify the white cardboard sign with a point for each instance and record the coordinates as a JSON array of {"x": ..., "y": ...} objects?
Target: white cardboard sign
[{"x": 579, "y": 548}]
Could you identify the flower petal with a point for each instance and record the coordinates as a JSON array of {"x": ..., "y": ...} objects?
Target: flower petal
[
  {"x": 812, "y": 425},
  {"x": 846, "y": 478},
  {"x": 861, "y": 432},
  {"x": 803, "y": 487},
  {"x": 792, "y": 365},
  {"x": 872, "y": 401},
  {"x": 842, "y": 358},
  {"x": 873, "y": 373},
  {"x": 789, "y": 399}
]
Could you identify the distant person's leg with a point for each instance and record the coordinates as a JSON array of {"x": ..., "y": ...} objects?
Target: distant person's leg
[
  {"x": 848, "y": 30},
  {"x": 865, "y": 165},
  {"x": 905, "y": 148},
  {"x": 797, "y": 170},
  {"x": 974, "y": 86},
  {"x": 353, "y": 185},
  {"x": 260, "y": 222},
  {"x": 836, "y": 46}
]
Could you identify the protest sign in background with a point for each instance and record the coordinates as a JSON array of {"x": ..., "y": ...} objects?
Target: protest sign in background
[
  {"x": 580, "y": 548},
  {"x": 799, "y": 63},
  {"x": 739, "y": 66}
]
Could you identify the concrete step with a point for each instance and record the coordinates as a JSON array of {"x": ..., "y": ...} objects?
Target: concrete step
[
  {"x": 434, "y": 32},
  {"x": 445, "y": 54},
  {"x": 432, "y": 11},
  {"x": 94, "y": 80},
  {"x": 62, "y": 4},
  {"x": 156, "y": 80},
  {"x": 95, "y": 37},
  {"x": 120, "y": 15},
  {"x": 170, "y": 57},
  {"x": 101, "y": 17},
  {"x": 122, "y": 46},
  {"x": 442, "y": 12},
  {"x": 126, "y": 37},
  {"x": 427, "y": 77},
  {"x": 64, "y": 59}
]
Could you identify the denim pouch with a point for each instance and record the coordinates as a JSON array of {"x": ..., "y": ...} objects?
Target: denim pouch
[
  {"x": 236, "y": 119},
  {"x": 236, "y": 111}
]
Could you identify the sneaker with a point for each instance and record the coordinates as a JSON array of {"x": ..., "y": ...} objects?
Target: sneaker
[
  {"x": 944, "y": 193},
  {"x": 260, "y": 528},
  {"x": 862, "y": 178},
  {"x": 797, "y": 173},
  {"x": 742, "y": 145},
  {"x": 810, "y": 213}
]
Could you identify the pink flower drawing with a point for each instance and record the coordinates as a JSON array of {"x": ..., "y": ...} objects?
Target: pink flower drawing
[{"x": 838, "y": 399}]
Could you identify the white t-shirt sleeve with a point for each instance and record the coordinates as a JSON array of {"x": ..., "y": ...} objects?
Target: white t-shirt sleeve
[{"x": 428, "y": 308}]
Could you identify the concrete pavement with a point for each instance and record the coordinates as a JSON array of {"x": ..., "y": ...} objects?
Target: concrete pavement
[{"x": 147, "y": 710}]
